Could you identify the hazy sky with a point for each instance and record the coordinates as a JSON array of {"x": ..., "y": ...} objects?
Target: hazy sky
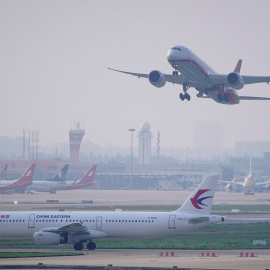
[{"x": 54, "y": 54}]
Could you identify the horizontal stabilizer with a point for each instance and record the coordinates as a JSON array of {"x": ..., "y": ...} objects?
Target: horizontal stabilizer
[
  {"x": 253, "y": 98},
  {"x": 198, "y": 220}
]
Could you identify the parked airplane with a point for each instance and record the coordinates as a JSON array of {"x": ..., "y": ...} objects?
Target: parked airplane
[
  {"x": 61, "y": 175},
  {"x": 249, "y": 184},
  {"x": 84, "y": 182},
  {"x": 51, "y": 185},
  {"x": 222, "y": 88},
  {"x": 18, "y": 184},
  {"x": 53, "y": 228},
  {"x": 4, "y": 172}
]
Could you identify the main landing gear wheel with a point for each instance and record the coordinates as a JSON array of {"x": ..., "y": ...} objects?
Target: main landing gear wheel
[
  {"x": 78, "y": 246},
  {"x": 175, "y": 72},
  {"x": 91, "y": 246},
  {"x": 184, "y": 96}
]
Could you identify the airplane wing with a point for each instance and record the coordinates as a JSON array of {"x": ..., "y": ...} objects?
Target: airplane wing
[
  {"x": 70, "y": 229},
  {"x": 75, "y": 229},
  {"x": 178, "y": 79},
  {"x": 262, "y": 184},
  {"x": 222, "y": 79},
  {"x": 255, "y": 79}
]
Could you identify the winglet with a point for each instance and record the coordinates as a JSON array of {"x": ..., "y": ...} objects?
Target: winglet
[{"x": 238, "y": 66}]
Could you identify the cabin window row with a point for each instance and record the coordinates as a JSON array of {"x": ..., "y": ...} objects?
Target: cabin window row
[
  {"x": 70, "y": 220},
  {"x": 12, "y": 220},
  {"x": 130, "y": 220}
]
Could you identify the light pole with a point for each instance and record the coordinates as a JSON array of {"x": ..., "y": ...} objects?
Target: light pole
[{"x": 131, "y": 144}]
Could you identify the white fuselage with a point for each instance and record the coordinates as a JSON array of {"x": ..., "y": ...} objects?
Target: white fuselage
[
  {"x": 196, "y": 70},
  {"x": 111, "y": 224}
]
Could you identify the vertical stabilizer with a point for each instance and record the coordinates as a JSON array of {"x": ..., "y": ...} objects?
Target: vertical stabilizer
[
  {"x": 201, "y": 200},
  {"x": 89, "y": 176},
  {"x": 61, "y": 175},
  {"x": 4, "y": 172}
]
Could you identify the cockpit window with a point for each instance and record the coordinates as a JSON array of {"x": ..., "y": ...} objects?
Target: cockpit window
[{"x": 175, "y": 48}]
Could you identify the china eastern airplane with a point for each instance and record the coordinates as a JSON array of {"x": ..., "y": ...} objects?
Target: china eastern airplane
[
  {"x": 18, "y": 184},
  {"x": 54, "y": 228},
  {"x": 194, "y": 72}
]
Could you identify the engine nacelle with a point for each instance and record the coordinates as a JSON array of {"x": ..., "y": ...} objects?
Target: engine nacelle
[
  {"x": 157, "y": 78},
  {"x": 235, "y": 80},
  {"x": 49, "y": 238}
]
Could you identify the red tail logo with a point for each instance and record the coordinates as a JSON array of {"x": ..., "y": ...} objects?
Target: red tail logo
[{"x": 197, "y": 201}]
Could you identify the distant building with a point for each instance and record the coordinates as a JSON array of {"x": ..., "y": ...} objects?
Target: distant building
[
  {"x": 75, "y": 139},
  {"x": 254, "y": 149},
  {"x": 145, "y": 137}
]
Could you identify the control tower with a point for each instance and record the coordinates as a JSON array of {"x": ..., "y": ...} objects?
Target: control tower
[
  {"x": 145, "y": 137},
  {"x": 75, "y": 139}
]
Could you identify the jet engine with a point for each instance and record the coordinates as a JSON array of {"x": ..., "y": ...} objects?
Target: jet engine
[
  {"x": 157, "y": 78},
  {"x": 49, "y": 238},
  {"x": 235, "y": 80}
]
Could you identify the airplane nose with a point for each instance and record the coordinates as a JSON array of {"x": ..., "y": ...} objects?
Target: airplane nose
[{"x": 170, "y": 55}]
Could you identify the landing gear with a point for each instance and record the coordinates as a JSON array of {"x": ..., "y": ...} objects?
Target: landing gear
[
  {"x": 185, "y": 95},
  {"x": 175, "y": 72},
  {"x": 78, "y": 246},
  {"x": 91, "y": 246}
]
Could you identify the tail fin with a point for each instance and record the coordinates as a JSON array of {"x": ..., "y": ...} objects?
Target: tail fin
[
  {"x": 61, "y": 175},
  {"x": 89, "y": 176},
  {"x": 28, "y": 174},
  {"x": 201, "y": 200},
  {"x": 250, "y": 166},
  {"x": 238, "y": 66},
  {"x": 4, "y": 172}
]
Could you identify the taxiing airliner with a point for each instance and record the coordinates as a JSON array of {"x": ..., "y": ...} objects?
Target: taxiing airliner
[
  {"x": 194, "y": 72},
  {"x": 54, "y": 228},
  {"x": 19, "y": 184}
]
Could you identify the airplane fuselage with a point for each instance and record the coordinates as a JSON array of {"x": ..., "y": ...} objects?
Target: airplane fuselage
[{"x": 101, "y": 224}]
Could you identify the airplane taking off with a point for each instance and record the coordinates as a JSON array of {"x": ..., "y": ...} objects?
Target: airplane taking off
[
  {"x": 54, "y": 228},
  {"x": 18, "y": 184},
  {"x": 4, "y": 172},
  {"x": 51, "y": 185},
  {"x": 222, "y": 88}
]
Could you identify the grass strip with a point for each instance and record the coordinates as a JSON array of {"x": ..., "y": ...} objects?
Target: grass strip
[
  {"x": 37, "y": 254},
  {"x": 220, "y": 236}
]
